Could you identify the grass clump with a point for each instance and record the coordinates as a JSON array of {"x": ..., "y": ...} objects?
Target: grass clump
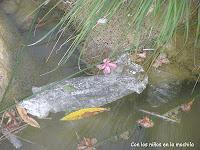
[{"x": 166, "y": 16}]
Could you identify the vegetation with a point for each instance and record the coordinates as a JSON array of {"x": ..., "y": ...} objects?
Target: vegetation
[{"x": 167, "y": 16}]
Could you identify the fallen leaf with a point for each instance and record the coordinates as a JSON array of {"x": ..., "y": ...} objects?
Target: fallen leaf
[
  {"x": 12, "y": 121},
  {"x": 10, "y": 115},
  {"x": 142, "y": 55},
  {"x": 145, "y": 122},
  {"x": 23, "y": 114},
  {"x": 162, "y": 59},
  {"x": 87, "y": 144},
  {"x": 83, "y": 113},
  {"x": 187, "y": 107},
  {"x": 124, "y": 135},
  {"x": 139, "y": 57}
]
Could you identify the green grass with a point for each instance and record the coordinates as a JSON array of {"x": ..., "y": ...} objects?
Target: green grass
[{"x": 167, "y": 15}]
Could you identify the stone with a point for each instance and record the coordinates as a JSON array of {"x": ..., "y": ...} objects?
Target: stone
[
  {"x": 20, "y": 10},
  {"x": 11, "y": 44}
]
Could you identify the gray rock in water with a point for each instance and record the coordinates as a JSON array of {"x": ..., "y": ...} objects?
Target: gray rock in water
[
  {"x": 163, "y": 92},
  {"x": 90, "y": 91}
]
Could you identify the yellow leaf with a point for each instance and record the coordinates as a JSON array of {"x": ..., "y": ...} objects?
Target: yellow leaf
[
  {"x": 83, "y": 113},
  {"x": 23, "y": 114}
]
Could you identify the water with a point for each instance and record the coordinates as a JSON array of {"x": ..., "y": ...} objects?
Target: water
[
  {"x": 105, "y": 127},
  {"x": 122, "y": 117}
]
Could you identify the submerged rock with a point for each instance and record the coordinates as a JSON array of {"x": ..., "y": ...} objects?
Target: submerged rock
[{"x": 91, "y": 91}]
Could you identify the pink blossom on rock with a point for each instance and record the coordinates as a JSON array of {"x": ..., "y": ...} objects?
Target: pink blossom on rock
[{"x": 107, "y": 66}]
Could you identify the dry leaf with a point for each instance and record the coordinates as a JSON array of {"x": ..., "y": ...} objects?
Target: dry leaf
[
  {"x": 124, "y": 135},
  {"x": 23, "y": 114},
  {"x": 187, "y": 107},
  {"x": 162, "y": 59},
  {"x": 139, "y": 57},
  {"x": 145, "y": 122},
  {"x": 87, "y": 144},
  {"x": 12, "y": 121},
  {"x": 10, "y": 115},
  {"x": 83, "y": 113}
]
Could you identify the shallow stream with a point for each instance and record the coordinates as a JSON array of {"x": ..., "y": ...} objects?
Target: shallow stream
[{"x": 106, "y": 127}]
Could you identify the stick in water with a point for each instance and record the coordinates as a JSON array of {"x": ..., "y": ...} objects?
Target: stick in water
[{"x": 159, "y": 116}]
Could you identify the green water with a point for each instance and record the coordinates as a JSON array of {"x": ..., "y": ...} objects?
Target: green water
[{"x": 55, "y": 134}]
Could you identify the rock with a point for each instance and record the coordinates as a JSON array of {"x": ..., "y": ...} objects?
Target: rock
[
  {"x": 65, "y": 5},
  {"x": 8, "y": 43},
  {"x": 180, "y": 59},
  {"x": 20, "y": 10},
  {"x": 10, "y": 6},
  {"x": 90, "y": 91},
  {"x": 10, "y": 48}
]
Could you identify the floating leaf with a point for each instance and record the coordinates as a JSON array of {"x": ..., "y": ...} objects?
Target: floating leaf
[
  {"x": 145, "y": 122},
  {"x": 87, "y": 144},
  {"x": 23, "y": 114},
  {"x": 124, "y": 135},
  {"x": 83, "y": 113},
  {"x": 187, "y": 107}
]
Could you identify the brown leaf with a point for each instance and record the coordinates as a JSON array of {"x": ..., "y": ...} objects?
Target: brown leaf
[
  {"x": 23, "y": 114},
  {"x": 187, "y": 107},
  {"x": 125, "y": 135},
  {"x": 9, "y": 115},
  {"x": 162, "y": 59},
  {"x": 145, "y": 122},
  {"x": 87, "y": 144},
  {"x": 139, "y": 57},
  {"x": 12, "y": 121}
]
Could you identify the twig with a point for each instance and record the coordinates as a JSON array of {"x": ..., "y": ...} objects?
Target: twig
[
  {"x": 159, "y": 116},
  {"x": 14, "y": 131},
  {"x": 195, "y": 84},
  {"x": 148, "y": 49}
]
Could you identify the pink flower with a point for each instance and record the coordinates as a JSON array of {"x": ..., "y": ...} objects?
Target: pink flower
[
  {"x": 107, "y": 66},
  {"x": 145, "y": 122}
]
